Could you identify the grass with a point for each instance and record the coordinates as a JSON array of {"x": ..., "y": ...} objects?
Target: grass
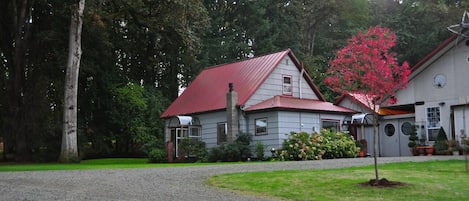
[
  {"x": 434, "y": 180},
  {"x": 108, "y": 163}
]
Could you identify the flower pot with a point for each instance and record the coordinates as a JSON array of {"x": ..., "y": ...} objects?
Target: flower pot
[
  {"x": 429, "y": 150},
  {"x": 421, "y": 150},
  {"x": 362, "y": 154}
]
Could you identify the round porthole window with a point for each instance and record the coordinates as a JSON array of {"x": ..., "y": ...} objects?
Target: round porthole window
[
  {"x": 389, "y": 130},
  {"x": 406, "y": 128}
]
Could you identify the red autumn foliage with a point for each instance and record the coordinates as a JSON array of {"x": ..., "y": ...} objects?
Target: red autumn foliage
[{"x": 368, "y": 66}]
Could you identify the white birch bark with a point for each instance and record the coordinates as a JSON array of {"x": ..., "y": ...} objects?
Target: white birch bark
[{"x": 69, "y": 149}]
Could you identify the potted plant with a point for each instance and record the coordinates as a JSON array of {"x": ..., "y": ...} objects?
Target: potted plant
[
  {"x": 362, "y": 144},
  {"x": 453, "y": 147},
  {"x": 413, "y": 141},
  {"x": 422, "y": 143},
  {"x": 441, "y": 143}
]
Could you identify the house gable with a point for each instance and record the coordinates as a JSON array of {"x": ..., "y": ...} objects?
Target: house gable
[
  {"x": 449, "y": 60},
  {"x": 273, "y": 85}
]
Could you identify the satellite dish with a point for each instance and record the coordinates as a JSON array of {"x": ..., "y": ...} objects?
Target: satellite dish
[{"x": 461, "y": 27}]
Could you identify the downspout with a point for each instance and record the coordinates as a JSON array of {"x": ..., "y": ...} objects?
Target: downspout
[{"x": 246, "y": 118}]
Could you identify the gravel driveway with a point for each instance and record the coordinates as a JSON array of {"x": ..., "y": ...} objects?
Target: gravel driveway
[{"x": 178, "y": 183}]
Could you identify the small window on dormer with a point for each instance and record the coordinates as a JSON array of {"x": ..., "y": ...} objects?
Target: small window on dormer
[{"x": 287, "y": 85}]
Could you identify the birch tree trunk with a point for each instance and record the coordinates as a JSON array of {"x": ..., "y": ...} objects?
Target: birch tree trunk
[{"x": 69, "y": 149}]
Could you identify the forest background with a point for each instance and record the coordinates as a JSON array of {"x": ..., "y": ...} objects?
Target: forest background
[{"x": 137, "y": 54}]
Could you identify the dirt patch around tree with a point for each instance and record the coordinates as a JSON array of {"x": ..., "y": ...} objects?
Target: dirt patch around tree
[{"x": 382, "y": 183}]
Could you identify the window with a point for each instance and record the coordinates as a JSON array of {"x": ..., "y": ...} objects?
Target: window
[
  {"x": 221, "y": 132},
  {"x": 433, "y": 122},
  {"x": 261, "y": 126},
  {"x": 389, "y": 130},
  {"x": 332, "y": 125},
  {"x": 406, "y": 128},
  {"x": 194, "y": 132},
  {"x": 287, "y": 85}
]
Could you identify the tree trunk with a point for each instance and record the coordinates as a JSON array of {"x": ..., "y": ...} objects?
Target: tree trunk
[
  {"x": 69, "y": 149},
  {"x": 375, "y": 142}
]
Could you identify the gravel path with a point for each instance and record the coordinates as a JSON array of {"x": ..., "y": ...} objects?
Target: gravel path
[{"x": 178, "y": 183}]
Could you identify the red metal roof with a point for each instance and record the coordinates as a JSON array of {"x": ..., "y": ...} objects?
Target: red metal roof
[
  {"x": 208, "y": 91},
  {"x": 361, "y": 99},
  {"x": 293, "y": 103}
]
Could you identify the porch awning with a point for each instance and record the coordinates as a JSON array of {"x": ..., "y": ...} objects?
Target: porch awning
[
  {"x": 359, "y": 117},
  {"x": 185, "y": 120},
  {"x": 386, "y": 111}
]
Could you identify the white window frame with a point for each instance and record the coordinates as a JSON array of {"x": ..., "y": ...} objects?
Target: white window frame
[
  {"x": 287, "y": 88},
  {"x": 261, "y": 130},
  {"x": 433, "y": 115}
]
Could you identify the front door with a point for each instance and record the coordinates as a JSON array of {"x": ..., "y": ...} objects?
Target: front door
[
  {"x": 405, "y": 127},
  {"x": 181, "y": 133},
  {"x": 390, "y": 138}
]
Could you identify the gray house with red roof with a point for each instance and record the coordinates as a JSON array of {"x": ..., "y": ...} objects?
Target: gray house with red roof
[{"x": 266, "y": 96}]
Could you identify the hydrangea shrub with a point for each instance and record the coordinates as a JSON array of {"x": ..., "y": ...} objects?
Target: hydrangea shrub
[{"x": 324, "y": 145}]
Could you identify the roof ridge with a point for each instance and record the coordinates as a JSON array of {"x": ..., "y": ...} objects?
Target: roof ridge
[{"x": 245, "y": 59}]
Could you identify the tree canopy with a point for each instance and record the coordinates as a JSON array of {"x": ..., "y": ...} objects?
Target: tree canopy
[
  {"x": 368, "y": 66},
  {"x": 160, "y": 46}
]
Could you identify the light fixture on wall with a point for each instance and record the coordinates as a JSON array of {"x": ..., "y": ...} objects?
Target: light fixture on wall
[{"x": 441, "y": 103}]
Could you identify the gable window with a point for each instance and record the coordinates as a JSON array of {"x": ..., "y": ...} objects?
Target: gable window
[
  {"x": 261, "y": 126},
  {"x": 221, "y": 132},
  {"x": 287, "y": 85},
  {"x": 331, "y": 124},
  {"x": 433, "y": 123}
]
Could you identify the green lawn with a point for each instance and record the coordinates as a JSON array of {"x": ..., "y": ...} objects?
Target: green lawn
[
  {"x": 434, "y": 180},
  {"x": 108, "y": 163}
]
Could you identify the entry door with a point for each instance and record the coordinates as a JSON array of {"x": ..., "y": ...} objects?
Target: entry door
[
  {"x": 181, "y": 133},
  {"x": 405, "y": 127},
  {"x": 390, "y": 138}
]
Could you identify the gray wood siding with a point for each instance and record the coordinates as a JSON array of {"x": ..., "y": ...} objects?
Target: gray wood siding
[
  {"x": 209, "y": 122},
  {"x": 349, "y": 103},
  {"x": 273, "y": 84},
  {"x": 272, "y": 138}
]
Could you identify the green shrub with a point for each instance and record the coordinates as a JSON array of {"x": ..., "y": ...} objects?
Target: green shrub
[
  {"x": 192, "y": 147},
  {"x": 338, "y": 145},
  {"x": 200, "y": 150},
  {"x": 413, "y": 138},
  {"x": 327, "y": 145},
  {"x": 216, "y": 154},
  {"x": 441, "y": 143},
  {"x": 259, "y": 149},
  {"x": 300, "y": 146},
  {"x": 242, "y": 143},
  {"x": 235, "y": 151},
  {"x": 152, "y": 144},
  {"x": 157, "y": 156}
]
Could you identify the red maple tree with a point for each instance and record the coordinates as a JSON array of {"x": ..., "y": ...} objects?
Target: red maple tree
[{"x": 368, "y": 66}]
